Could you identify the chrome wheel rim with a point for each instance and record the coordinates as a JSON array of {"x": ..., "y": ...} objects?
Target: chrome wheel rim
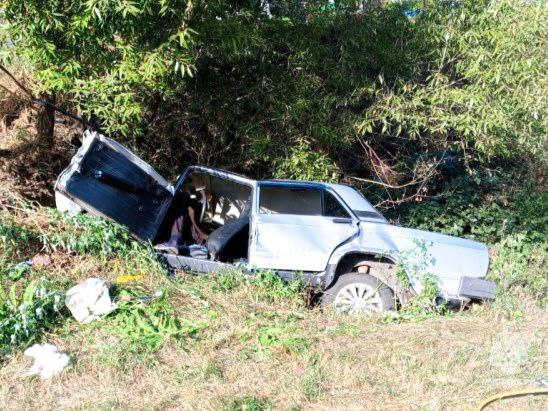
[{"x": 358, "y": 298}]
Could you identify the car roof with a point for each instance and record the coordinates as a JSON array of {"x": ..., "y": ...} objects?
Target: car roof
[
  {"x": 293, "y": 182},
  {"x": 266, "y": 182},
  {"x": 222, "y": 173},
  {"x": 286, "y": 182}
]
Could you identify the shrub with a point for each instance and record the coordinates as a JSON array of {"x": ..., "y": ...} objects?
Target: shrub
[
  {"x": 24, "y": 316},
  {"x": 147, "y": 322},
  {"x": 509, "y": 213},
  {"x": 109, "y": 59},
  {"x": 303, "y": 163},
  {"x": 519, "y": 262},
  {"x": 84, "y": 233},
  {"x": 479, "y": 84}
]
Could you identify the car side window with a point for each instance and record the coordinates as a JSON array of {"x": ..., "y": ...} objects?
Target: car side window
[
  {"x": 332, "y": 207},
  {"x": 290, "y": 200}
]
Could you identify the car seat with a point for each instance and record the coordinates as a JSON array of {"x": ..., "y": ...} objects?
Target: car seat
[{"x": 218, "y": 239}]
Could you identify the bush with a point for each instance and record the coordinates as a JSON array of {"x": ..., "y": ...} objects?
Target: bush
[
  {"x": 109, "y": 59},
  {"x": 81, "y": 234},
  {"x": 480, "y": 83},
  {"x": 518, "y": 263},
  {"x": 303, "y": 163},
  {"x": 84, "y": 233},
  {"x": 25, "y": 315}
]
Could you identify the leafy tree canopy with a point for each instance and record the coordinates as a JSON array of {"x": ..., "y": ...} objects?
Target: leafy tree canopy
[
  {"x": 481, "y": 85},
  {"x": 106, "y": 56},
  {"x": 318, "y": 89}
]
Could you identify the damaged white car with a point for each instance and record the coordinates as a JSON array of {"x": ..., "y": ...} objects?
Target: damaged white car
[{"x": 328, "y": 234}]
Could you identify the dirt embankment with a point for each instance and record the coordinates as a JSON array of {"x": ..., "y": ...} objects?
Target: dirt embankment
[{"x": 29, "y": 167}]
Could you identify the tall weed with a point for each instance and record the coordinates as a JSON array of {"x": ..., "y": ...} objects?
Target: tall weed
[
  {"x": 147, "y": 322},
  {"x": 263, "y": 286},
  {"x": 26, "y": 313}
]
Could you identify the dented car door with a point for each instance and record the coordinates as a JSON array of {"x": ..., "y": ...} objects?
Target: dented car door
[{"x": 107, "y": 179}]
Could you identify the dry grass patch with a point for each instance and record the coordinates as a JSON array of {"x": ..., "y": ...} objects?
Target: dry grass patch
[{"x": 312, "y": 359}]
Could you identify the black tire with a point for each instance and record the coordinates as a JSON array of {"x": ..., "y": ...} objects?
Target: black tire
[{"x": 385, "y": 294}]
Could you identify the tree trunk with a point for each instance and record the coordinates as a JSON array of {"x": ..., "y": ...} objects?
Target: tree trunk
[{"x": 45, "y": 124}]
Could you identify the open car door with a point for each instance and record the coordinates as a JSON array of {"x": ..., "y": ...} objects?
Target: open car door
[{"x": 107, "y": 179}]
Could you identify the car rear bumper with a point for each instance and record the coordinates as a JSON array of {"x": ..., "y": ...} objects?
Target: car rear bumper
[{"x": 477, "y": 288}]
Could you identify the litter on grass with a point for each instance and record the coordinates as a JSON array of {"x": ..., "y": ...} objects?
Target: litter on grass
[
  {"x": 128, "y": 278},
  {"x": 89, "y": 300},
  {"x": 48, "y": 360}
]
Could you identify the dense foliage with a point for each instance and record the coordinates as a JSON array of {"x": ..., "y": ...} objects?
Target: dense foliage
[
  {"x": 507, "y": 211},
  {"x": 108, "y": 58},
  {"x": 316, "y": 89},
  {"x": 480, "y": 85}
]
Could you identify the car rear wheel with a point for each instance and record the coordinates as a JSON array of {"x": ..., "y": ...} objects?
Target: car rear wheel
[{"x": 356, "y": 293}]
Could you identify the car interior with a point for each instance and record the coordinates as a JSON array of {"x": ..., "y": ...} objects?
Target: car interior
[{"x": 223, "y": 207}]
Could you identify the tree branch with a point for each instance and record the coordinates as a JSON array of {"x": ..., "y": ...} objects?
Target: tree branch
[
  {"x": 415, "y": 181},
  {"x": 5, "y": 70}
]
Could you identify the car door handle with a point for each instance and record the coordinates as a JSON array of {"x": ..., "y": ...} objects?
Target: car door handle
[{"x": 342, "y": 220}]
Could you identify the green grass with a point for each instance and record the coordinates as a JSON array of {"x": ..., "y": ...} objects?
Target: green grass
[{"x": 314, "y": 378}]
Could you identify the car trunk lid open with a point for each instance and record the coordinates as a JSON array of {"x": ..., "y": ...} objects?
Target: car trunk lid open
[{"x": 107, "y": 179}]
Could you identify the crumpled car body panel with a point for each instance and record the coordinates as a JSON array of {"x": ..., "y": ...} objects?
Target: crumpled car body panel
[{"x": 449, "y": 258}]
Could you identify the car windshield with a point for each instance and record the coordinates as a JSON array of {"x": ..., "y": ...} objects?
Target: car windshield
[{"x": 357, "y": 202}]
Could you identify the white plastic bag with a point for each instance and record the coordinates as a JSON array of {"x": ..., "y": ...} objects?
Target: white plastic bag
[
  {"x": 48, "y": 361},
  {"x": 89, "y": 300}
]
